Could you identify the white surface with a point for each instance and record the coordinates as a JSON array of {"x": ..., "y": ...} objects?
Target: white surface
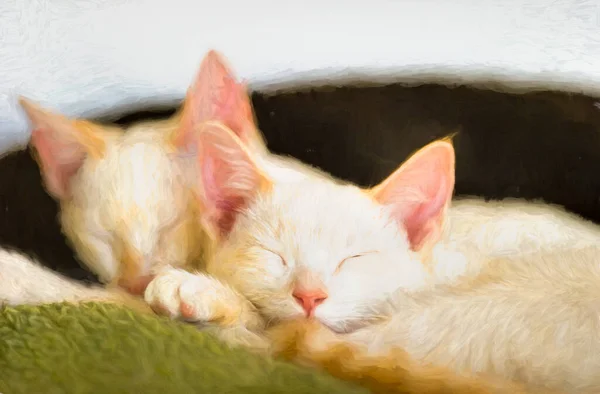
[{"x": 88, "y": 58}]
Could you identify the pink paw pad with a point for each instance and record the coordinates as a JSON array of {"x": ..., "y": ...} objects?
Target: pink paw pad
[{"x": 187, "y": 311}]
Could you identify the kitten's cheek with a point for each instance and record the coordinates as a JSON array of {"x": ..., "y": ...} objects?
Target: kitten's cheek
[
  {"x": 295, "y": 310},
  {"x": 331, "y": 326}
]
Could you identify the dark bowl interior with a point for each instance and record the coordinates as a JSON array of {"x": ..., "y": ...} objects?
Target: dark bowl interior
[{"x": 543, "y": 145}]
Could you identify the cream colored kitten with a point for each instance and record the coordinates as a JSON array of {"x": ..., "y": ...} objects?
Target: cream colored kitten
[
  {"x": 125, "y": 199},
  {"x": 332, "y": 252}
]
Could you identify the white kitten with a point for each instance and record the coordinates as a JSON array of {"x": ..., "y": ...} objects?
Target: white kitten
[{"x": 329, "y": 251}]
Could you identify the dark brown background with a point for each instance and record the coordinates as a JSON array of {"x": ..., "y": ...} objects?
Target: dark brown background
[{"x": 537, "y": 145}]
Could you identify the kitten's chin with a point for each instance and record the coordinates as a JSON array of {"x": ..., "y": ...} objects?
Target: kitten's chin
[
  {"x": 301, "y": 318},
  {"x": 349, "y": 326},
  {"x": 335, "y": 329},
  {"x": 341, "y": 327},
  {"x": 310, "y": 320}
]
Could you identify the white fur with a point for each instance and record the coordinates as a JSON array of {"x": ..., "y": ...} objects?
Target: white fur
[
  {"x": 308, "y": 223},
  {"x": 535, "y": 320},
  {"x": 476, "y": 230},
  {"x": 24, "y": 281},
  {"x": 204, "y": 300},
  {"x": 312, "y": 224},
  {"x": 316, "y": 224},
  {"x": 136, "y": 195},
  {"x": 88, "y": 58}
]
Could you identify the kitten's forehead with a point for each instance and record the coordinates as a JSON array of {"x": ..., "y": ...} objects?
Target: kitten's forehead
[
  {"x": 136, "y": 186},
  {"x": 319, "y": 222},
  {"x": 138, "y": 158}
]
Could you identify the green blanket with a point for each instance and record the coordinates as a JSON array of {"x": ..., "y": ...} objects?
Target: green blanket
[{"x": 102, "y": 348}]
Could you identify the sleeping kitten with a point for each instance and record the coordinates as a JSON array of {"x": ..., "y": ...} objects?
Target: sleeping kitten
[
  {"x": 125, "y": 201},
  {"x": 329, "y": 251}
]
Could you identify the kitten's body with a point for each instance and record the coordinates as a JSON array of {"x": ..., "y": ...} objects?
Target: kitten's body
[
  {"x": 344, "y": 243},
  {"x": 476, "y": 231},
  {"x": 534, "y": 319}
]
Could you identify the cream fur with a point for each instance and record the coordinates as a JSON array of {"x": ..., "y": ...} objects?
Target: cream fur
[
  {"x": 134, "y": 200},
  {"x": 130, "y": 206},
  {"x": 477, "y": 230},
  {"x": 24, "y": 281},
  {"x": 139, "y": 197},
  {"x": 505, "y": 274},
  {"x": 126, "y": 207},
  {"x": 534, "y": 319},
  {"x": 515, "y": 257}
]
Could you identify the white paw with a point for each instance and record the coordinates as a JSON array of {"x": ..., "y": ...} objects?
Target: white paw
[{"x": 190, "y": 297}]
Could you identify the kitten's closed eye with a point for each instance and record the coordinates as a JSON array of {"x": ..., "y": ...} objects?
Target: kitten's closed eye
[
  {"x": 278, "y": 256},
  {"x": 341, "y": 264}
]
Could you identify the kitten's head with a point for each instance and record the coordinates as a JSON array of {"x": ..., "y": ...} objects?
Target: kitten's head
[
  {"x": 317, "y": 247},
  {"x": 125, "y": 202}
]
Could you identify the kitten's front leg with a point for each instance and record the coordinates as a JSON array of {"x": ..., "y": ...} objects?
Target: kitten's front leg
[{"x": 203, "y": 299}]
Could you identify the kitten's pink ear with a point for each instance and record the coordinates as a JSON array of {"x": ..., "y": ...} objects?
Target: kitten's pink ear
[
  {"x": 61, "y": 145},
  {"x": 229, "y": 178},
  {"x": 215, "y": 95},
  {"x": 419, "y": 192}
]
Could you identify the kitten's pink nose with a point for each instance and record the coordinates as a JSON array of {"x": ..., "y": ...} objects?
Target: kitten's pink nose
[{"x": 309, "y": 299}]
